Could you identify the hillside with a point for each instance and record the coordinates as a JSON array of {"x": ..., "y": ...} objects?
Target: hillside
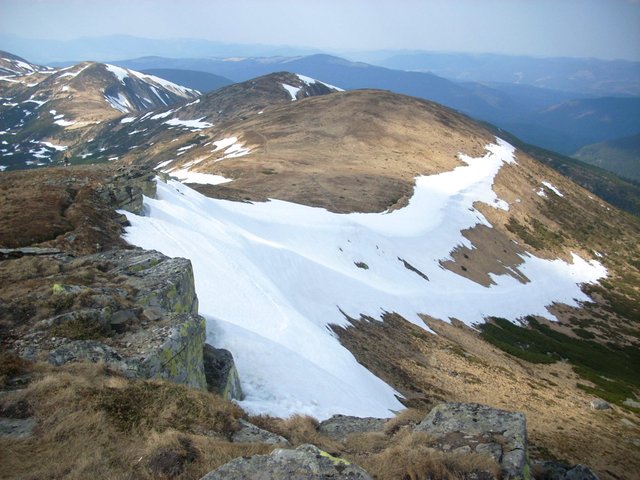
[
  {"x": 45, "y": 114},
  {"x": 293, "y": 270},
  {"x": 620, "y": 155}
]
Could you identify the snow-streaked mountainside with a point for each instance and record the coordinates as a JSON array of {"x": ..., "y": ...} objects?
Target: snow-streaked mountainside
[
  {"x": 67, "y": 107},
  {"x": 271, "y": 277},
  {"x": 12, "y": 65}
]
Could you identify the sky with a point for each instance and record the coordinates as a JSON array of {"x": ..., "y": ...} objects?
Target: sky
[{"x": 608, "y": 29}]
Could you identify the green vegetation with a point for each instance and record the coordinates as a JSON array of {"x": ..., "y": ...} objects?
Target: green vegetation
[
  {"x": 615, "y": 370},
  {"x": 536, "y": 234}
]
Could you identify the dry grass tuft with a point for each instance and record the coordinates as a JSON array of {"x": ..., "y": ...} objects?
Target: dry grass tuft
[
  {"x": 298, "y": 429},
  {"x": 406, "y": 418},
  {"x": 410, "y": 457}
]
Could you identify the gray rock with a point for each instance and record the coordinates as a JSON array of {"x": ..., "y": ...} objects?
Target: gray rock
[
  {"x": 560, "y": 471},
  {"x": 86, "y": 351},
  {"x": 179, "y": 359},
  {"x": 339, "y": 427},
  {"x": 599, "y": 404},
  {"x": 304, "y": 463},
  {"x": 494, "y": 450},
  {"x": 121, "y": 319},
  {"x": 7, "y": 253},
  {"x": 17, "y": 427},
  {"x": 221, "y": 373},
  {"x": 472, "y": 424},
  {"x": 249, "y": 433}
]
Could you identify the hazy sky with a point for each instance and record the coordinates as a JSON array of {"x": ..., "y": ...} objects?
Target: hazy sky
[{"x": 588, "y": 28}]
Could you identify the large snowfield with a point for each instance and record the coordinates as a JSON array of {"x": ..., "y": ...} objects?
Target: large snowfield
[{"x": 272, "y": 276}]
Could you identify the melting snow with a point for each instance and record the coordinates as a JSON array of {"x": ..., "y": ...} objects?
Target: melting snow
[
  {"x": 120, "y": 102},
  {"x": 272, "y": 276},
  {"x": 552, "y": 188},
  {"x": 73, "y": 74},
  {"x": 189, "y": 123},
  {"x": 127, "y": 120},
  {"x": 233, "y": 148},
  {"x": 310, "y": 81},
  {"x": 187, "y": 176},
  {"x": 64, "y": 123},
  {"x": 119, "y": 72},
  {"x": 162, "y": 115},
  {"x": 3, "y": 168},
  {"x": 293, "y": 91}
]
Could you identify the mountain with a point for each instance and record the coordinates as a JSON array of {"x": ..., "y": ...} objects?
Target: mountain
[
  {"x": 553, "y": 119},
  {"x": 583, "y": 75},
  {"x": 201, "y": 81},
  {"x": 42, "y": 117},
  {"x": 567, "y": 126},
  {"x": 620, "y": 155},
  {"x": 12, "y": 65},
  {"x": 159, "y": 135},
  {"x": 356, "y": 251}
]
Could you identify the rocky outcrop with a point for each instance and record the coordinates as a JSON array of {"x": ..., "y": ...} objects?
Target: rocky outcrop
[
  {"x": 221, "y": 373},
  {"x": 249, "y": 433},
  {"x": 471, "y": 427},
  {"x": 339, "y": 427},
  {"x": 304, "y": 463},
  {"x": 125, "y": 189}
]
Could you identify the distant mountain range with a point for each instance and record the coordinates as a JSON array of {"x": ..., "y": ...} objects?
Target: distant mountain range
[{"x": 581, "y": 75}]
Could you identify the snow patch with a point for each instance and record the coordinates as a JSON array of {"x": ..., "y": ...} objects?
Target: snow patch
[
  {"x": 293, "y": 91},
  {"x": 64, "y": 123},
  {"x": 272, "y": 276},
  {"x": 187, "y": 176},
  {"x": 552, "y": 188},
  {"x": 196, "y": 124},
  {"x": 127, "y": 119},
  {"x": 120, "y": 103},
  {"x": 310, "y": 81}
]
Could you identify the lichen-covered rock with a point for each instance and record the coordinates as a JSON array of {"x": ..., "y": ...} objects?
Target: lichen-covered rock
[
  {"x": 304, "y": 463},
  {"x": 179, "y": 358},
  {"x": 221, "y": 373},
  {"x": 339, "y": 426},
  {"x": 249, "y": 433},
  {"x": 499, "y": 433},
  {"x": 599, "y": 404},
  {"x": 163, "y": 283}
]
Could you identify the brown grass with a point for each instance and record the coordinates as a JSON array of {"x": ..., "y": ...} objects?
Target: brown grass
[
  {"x": 298, "y": 429},
  {"x": 82, "y": 431},
  {"x": 409, "y": 456},
  {"x": 11, "y": 366},
  {"x": 409, "y": 417}
]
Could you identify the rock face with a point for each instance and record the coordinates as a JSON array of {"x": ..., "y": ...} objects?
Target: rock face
[
  {"x": 221, "y": 373},
  {"x": 599, "y": 404},
  {"x": 179, "y": 359},
  {"x": 339, "y": 427},
  {"x": 304, "y": 463},
  {"x": 249, "y": 433},
  {"x": 470, "y": 427}
]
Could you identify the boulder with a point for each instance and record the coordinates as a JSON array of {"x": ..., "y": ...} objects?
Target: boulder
[
  {"x": 498, "y": 433},
  {"x": 249, "y": 433},
  {"x": 304, "y": 463},
  {"x": 179, "y": 358},
  {"x": 599, "y": 404},
  {"x": 221, "y": 373},
  {"x": 339, "y": 427}
]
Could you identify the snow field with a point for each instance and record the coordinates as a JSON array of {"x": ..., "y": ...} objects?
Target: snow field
[{"x": 272, "y": 276}]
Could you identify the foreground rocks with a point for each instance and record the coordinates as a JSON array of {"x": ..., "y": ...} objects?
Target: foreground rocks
[
  {"x": 471, "y": 427},
  {"x": 306, "y": 462},
  {"x": 453, "y": 428}
]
